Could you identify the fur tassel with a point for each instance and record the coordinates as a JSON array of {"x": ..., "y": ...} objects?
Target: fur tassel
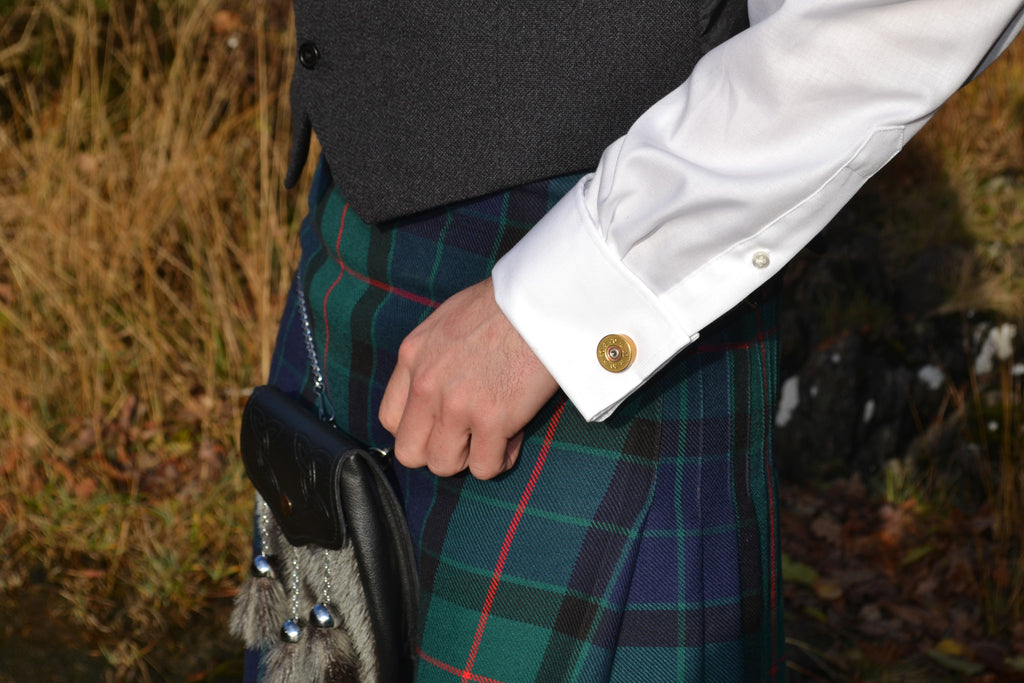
[
  {"x": 331, "y": 657},
  {"x": 347, "y": 599},
  {"x": 342, "y": 654},
  {"x": 350, "y": 605},
  {"x": 287, "y": 663},
  {"x": 259, "y": 611}
]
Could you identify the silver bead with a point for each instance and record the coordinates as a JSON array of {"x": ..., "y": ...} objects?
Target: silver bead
[
  {"x": 320, "y": 616},
  {"x": 261, "y": 567},
  {"x": 290, "y": 632}
]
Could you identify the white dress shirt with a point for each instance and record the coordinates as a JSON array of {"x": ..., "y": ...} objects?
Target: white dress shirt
[{"x": 723, "y": 181}]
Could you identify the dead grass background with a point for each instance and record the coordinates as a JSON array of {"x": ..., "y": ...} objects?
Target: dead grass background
[
  {"x": 146, "y": 244},
  {"x": 145, "y": 249}
]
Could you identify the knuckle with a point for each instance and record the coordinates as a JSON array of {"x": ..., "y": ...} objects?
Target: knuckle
[
  {"x": 444, "y": 467},
  {"x": 446, "y": 462},
  {"x": 420, "y": 389},
  {"x": 388, "y": 418},
  {"x": 485, "y": 469},
  {"x": 487, "y": 459},
  {"x": 409, "y": 457},
  {"x": 408, "y": 350},
  {"x": 426, "y": 382}
]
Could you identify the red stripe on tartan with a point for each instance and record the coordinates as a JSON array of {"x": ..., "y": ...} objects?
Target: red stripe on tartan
[
  {"x": 422, "y": 300},
  {"x": 346, "y": 269},
  {"x": 327, "y": 294},
  {"x": 341, "y": 229},
  {"x": 771, "y": 492},
  {"x": 773, "y": 672},
  {"x": 327, "y": 323},
  {"x": 492, "y": 590},
  {"x": 453, "y": 670},
  {"x": 734, "y": 346}
]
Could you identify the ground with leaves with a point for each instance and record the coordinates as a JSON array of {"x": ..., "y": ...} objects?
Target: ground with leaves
[{"x": 879, "y": 591}]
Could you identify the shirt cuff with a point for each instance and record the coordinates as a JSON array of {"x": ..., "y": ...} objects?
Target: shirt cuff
[{"x": 565, "y": 290}]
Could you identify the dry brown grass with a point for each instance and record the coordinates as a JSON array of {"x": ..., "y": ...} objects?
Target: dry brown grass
[{"x": 145, "y": 250}]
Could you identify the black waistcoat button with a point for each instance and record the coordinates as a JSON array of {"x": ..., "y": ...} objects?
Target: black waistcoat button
[{"x": 309, "y": 55}]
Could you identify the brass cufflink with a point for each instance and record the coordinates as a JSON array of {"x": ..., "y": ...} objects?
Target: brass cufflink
[{"x": 616, "y": 352}]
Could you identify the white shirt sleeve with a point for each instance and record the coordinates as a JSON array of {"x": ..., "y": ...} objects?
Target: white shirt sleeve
[{"x": 723, "y": 181}]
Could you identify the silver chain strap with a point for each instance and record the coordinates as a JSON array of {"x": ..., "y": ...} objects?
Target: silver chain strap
[{"x": 319, "y": 384}]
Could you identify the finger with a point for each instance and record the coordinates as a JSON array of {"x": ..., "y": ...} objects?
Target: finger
[
  {"x": 487, "y": 454},
  {"x": 449, "y": 448},
  {"x": 413, "y": 433},
  {"x": 513, "y": 448},
  {"x": 392, "y": 405}
]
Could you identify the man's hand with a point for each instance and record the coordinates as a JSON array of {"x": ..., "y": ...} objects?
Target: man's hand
[{"x": 465, "y": 386}]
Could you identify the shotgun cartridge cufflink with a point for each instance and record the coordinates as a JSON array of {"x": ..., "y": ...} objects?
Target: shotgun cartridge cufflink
[{"x": 616, "y": 352}]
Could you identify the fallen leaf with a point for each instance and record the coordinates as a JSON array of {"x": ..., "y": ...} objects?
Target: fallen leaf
[
  {"x": 209, "y": 460},
  {"x": 982, "y": 523},
  {"x": 870, "y": 612},
  {"x": 8, "y": 459},
  {"x": 914, "y": 616},
  {"x": 855, "y": 488},
  {"x": 827, "y": 589},
  {"x": 816, "y": 614},
  {"x": 87, "y": 573},
  {"x": 897, "y": 522},
  {"x": 88, "y": 164},
  {"x": 124, "y": 418},
  {"x": 959, "y": 577},
  {"x": 956, "y": 663},
  {"x": 797, "y": 572},
  {"x": 225, "y": 21},
  {"x": 1015, "y": 663},
  {"x": 827, "y": 528},
  {"x": 84, "y": 440},
  {"x": 916, "y": 553},
  {"x": 927, "y": 586},
  {"x": 890, "y": 629},
  {"x": 948, "y": 646},
  {"x": 84, "y": 488}
]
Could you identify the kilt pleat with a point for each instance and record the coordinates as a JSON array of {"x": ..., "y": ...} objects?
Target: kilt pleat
[{"x": 641, "y": 548}]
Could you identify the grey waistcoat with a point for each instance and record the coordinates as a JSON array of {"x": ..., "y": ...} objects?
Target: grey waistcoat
[{"x": 421, "y": 103}]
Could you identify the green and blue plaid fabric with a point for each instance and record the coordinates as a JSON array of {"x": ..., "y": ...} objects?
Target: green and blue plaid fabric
[{"x": 643, "y": 548}]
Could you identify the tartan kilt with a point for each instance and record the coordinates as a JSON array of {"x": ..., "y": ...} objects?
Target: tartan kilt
[{"x": 642, "y": 548}]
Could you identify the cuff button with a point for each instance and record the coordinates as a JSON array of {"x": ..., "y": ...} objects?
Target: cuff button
[{"x": 616, "y": 352}]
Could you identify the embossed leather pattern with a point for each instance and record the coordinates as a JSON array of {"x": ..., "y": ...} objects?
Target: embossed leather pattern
[{"x": 295, "y": 466}]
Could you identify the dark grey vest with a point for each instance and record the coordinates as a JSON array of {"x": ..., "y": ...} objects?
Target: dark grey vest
[{"x": 421, "y": 103}]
